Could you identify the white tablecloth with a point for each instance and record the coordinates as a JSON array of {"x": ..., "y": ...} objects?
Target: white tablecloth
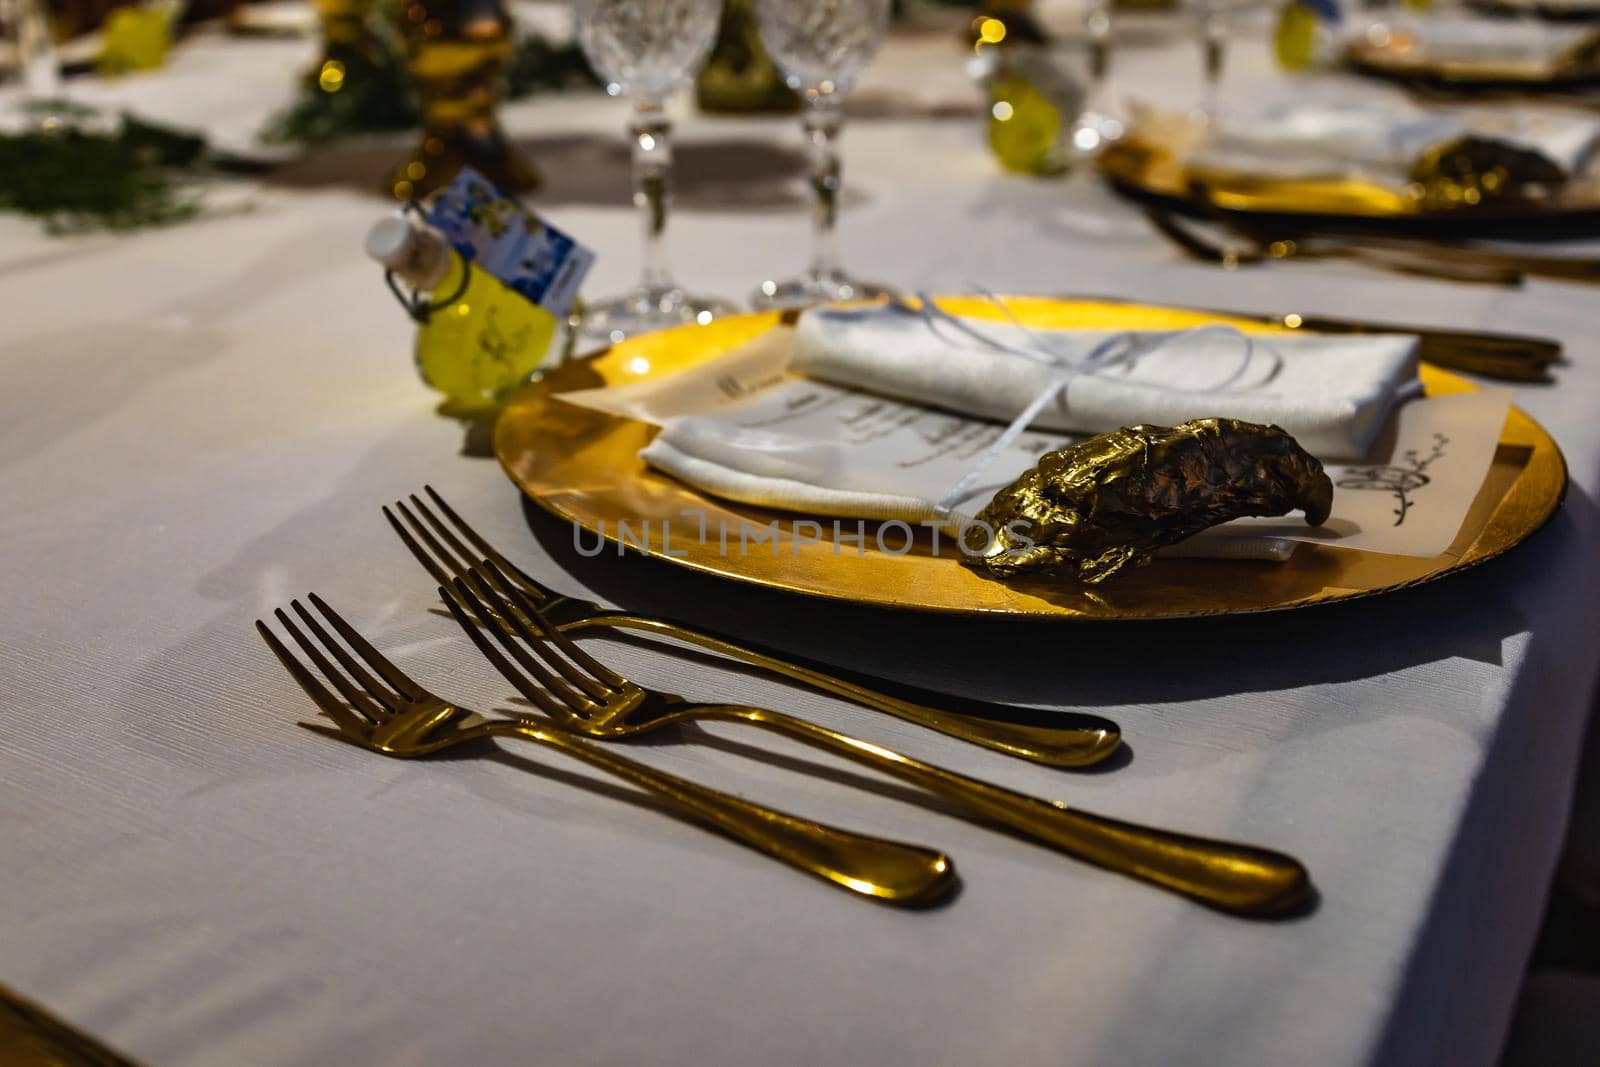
[{"x": 201, "y": 422}]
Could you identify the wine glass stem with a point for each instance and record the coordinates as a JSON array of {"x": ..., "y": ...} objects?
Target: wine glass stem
[
  {"x": 822, "y": 123},
  {"x": 1214, "y": 36},
  {"x": 36, "y": 51},
  {"x": 1097, "y": 22},
  {"x": 652, "y": 174}
]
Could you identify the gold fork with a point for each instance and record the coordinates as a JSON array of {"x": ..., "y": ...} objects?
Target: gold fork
[
  {"x": 397, "y": 717},
  {"x": 581, "y": 694},
  {"x": 1077, "y": 741}
]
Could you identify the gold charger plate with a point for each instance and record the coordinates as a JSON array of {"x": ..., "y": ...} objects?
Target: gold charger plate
[{"x": 583, "y": 466}]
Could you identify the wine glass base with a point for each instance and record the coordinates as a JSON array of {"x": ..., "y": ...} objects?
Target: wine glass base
[
  {"x": 1093, "y": 132},
  {"x": 649, "y": 308},
  {"x": 50, "y": 113},
  {"x": 813, "y": 288}
]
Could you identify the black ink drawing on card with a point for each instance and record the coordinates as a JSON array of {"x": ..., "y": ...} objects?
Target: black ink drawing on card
[{"x": 1401, "y": 479}]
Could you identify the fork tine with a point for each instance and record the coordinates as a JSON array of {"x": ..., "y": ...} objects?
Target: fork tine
[
  {"x": 600, "y": 671},
  {"x": 456, "y": 564},
  {"x": 491, "y": 583},
  {"x": 423, "y": 556},
  {"x": 389, "y": 701},
  {"x": 348, "y": 721},
  {"x": 485, "y": 549},
  {"x": 375, "y": 711},
  {"x": 456, "y": 601},
  {"x": 461, "y": 555},
  {"x": 470, "y": 589},
  {"x": 375, "y": 659}
]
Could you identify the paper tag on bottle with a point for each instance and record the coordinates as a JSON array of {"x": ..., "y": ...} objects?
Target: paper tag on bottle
[{"x": 497, "y": 233}]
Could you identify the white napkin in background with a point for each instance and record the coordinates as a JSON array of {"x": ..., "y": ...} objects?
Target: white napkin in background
[
  {"x": 1331, "y": 393},
  {"x": 1465, "y": 38},
  {"x": 1381, "y": 141}
]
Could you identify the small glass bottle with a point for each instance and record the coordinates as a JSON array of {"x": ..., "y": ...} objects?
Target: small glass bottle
[
  {"x": 1034, "y": 97},
  {"x": 1307, "y": 34},
  {"x": 1294, "y": 40},
  {"x": 477, "y": 339},
  {"x": 740, "y": 77}
]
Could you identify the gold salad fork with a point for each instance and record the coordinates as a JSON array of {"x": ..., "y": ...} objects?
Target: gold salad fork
[
  {"x": 397, "y": 717},
  {"x": 580, "y": 694},
  {"x": 1077, "y": 741}
]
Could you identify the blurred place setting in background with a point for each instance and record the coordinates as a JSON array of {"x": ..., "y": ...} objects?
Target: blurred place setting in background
[{"x": 1102, "y": 492}]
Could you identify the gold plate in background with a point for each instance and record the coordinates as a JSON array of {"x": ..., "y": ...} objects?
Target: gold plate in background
[
  {"x": 584, "y": 466},
  {"x": 1395, "y": 59},
  {"x": 32, "y": 1037},
  {"x": 1521, "y": 9},
  {"x": 1149, "y": 170}
]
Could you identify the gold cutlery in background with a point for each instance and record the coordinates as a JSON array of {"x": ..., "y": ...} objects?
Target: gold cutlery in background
[
  {"x": 1448, "y": 260},
  {"x": 1080, "y": 740},
  {"x": 580, "y": 694},
  {"x": 1234, "y": 248},
  {"x": 1514, "y": 357},
  {"x": 397, "y": 717},
  {"x": 1446, "y": 93}
]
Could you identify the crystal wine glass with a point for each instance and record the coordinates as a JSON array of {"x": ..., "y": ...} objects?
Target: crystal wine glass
[
  {"x": 1214, "y": 53},
  {"x": 821, "y": 47},
  {"x": 646, "y": 50},
  {"x": 27, "y": 24},
  {"x": 1212, "y": 16}
]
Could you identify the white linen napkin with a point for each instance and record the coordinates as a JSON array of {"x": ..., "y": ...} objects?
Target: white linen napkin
[{"x": 1331, "y": 393}]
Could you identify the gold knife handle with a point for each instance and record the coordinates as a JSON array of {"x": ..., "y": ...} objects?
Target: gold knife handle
[
  {"x": 886, "y": 870},
  {"x": 1435, "y": 341},
  {"x": 1452, "y": 268},
  {"x": 1241, "y": 879},
  {"x": 1509, "y": 370},
  {"x": 1054, "y": 746},
  {"x": 1576, "y": 268}
]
